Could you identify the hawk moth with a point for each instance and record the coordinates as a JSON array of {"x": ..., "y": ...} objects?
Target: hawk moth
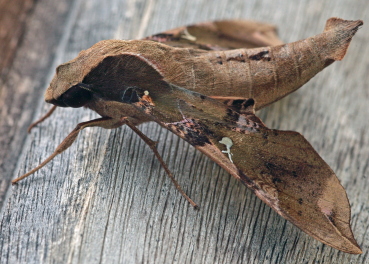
[{"x": 201, "y": 83}]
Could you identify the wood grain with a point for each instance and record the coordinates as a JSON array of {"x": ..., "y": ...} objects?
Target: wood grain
[
  {"x": 12, "y": 24},
  {"x": 24, "y": 80},
  {"x": 107, "y": 200}
]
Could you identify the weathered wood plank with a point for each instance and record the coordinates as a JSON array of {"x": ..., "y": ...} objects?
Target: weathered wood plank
[
  {"x": 12, "y": 16},
  {"x": 107, "y": 200},
  {"x": 21, "y": 89}
]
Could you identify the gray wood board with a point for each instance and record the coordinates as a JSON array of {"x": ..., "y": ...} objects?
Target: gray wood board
[
  {"x": 23, "y": 83},
  {"x": 13, "y": 14},
  {"x": 107, "y": 200}
]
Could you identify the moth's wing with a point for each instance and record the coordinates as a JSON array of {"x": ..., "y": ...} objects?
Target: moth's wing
[
  {"x": 284, "y": 171},
  {"x": 281, "y": 167},
  {"x": 220, "y": 35}
]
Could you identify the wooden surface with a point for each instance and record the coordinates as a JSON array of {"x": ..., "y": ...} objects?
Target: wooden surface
[
  {"x": 13, "y": 14},
  {"x": 107, "y": 200}
]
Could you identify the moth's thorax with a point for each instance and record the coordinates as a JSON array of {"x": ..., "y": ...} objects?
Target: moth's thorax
[{"x": 117, "y": 111}]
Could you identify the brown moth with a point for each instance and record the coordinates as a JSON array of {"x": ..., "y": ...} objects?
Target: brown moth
[{"x": 204, "y": 86}]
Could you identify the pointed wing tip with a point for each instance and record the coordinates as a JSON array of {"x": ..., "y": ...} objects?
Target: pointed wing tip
[
  {"x": 340, "y": 242},
  {"x": 343, "y": 30},
  {"x": 335, "y": 22},
  {"x": 357, "y": 251},
  {"x": 344, "y": 242},
  {"x": 342, "y": 238},
  {"x": 353, "y": 248}
]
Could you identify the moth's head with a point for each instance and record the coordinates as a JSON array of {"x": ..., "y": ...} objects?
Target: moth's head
[
  {"x": 109, "y": 70},
  {"x": 66, "y": 89}
]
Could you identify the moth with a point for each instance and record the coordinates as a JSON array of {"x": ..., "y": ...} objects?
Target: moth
[{"x": 204, "y": 83}]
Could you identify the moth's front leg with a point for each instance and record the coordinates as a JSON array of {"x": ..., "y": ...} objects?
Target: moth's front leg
[
  {"x": 105, "y": 122},
  {"x": 42, "y": 119}
]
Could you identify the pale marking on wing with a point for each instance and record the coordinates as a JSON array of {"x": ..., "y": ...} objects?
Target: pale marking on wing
[
  {"x": 188, "y": 36},
  {"x": 228, "y": 143}
]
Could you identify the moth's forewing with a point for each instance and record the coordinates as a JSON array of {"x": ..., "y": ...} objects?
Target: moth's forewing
[
  {"x": 220, "y": 35},
  {"x": 281, "y": 167},
  {"x": 266, "y": 74},
  {"x": 144, "y": 81}
]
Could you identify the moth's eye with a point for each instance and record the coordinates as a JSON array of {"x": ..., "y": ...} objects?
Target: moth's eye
[{"x": 76, "y": 96}]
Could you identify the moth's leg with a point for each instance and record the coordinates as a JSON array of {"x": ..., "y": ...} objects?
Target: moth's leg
[
  {"x": 42, "y": 119},
  {"x": 105, "y": 122},
  {"x": 152, "y": 144}
]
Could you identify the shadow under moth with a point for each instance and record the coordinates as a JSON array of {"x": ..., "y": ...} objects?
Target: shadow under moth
[{"x": 204, "y": 83}]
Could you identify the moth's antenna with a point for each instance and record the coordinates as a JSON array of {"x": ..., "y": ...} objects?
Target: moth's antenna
[{"x": 86, "y": 87}]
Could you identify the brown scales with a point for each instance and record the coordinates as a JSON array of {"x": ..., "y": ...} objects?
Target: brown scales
[{"x": 206, "y": 82}]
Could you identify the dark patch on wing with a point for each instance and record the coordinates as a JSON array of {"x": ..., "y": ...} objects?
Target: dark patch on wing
[
  {"x": 179, "y": 40},
  {"x": 239, "y": 58},
  {"x": 242, "y": 106},
  {"x": 263, "y": 55},
  {"x": 193, "y": 132},
  {"x": 196, "y": 139},
  {"x": 247, "y": 181},
  {"x": 249, "y": 102},
  {"x": 237, "y": 103},
  {"x": 270, "y": 166},
  {"x": 279, "y": 173},
  {"x": 232, "y": 116},
  {"x": 219, "y": 60},
  {"x": 331, "y": 217},
  {"x": 276, "y": 180}
]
